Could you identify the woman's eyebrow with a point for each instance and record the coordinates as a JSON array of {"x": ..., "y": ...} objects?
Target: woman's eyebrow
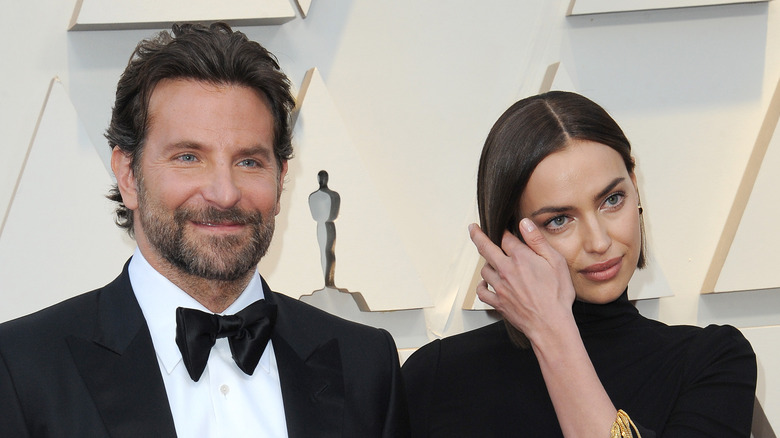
[
  {"x": 604, "y": 192},
  {"x": 608, "y": 188},
  {"x": 544, "y": 210}
]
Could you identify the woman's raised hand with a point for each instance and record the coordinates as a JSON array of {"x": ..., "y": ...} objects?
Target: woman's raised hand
[{"x": 532, "y": 284}]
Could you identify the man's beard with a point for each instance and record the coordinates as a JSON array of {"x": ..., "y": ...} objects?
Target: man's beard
[{"x": 222, "y": 258}]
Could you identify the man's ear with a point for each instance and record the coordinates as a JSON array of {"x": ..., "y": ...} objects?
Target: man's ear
[
  {"x": 282, "y": 174},
  {"x": 122, "y": 165}
]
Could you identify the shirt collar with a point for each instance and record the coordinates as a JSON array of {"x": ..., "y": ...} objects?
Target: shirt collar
[{"x": 159, "y": 298}]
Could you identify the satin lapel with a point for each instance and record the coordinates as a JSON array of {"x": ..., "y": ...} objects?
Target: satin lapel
[
  {"x": 311, "y": 377},
  {"x": 120, "y": 369}
]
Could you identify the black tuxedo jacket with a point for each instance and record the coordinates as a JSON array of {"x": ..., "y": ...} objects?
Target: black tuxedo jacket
[{"x": 86, "y": 367}]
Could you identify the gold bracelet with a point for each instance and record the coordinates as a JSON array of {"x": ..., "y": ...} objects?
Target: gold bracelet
[{"x": 622, "y": 426}]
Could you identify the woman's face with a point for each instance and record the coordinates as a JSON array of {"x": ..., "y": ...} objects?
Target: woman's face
[{"x": 585, "y": 202}]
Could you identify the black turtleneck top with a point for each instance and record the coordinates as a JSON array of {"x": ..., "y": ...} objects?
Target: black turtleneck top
[{"x": 673, "y": 381}]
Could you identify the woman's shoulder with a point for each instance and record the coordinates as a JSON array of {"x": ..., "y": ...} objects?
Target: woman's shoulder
[
  {"x": 723, "y": 345},
  {"x": 711, "y": 335},
  {"x": 723, "y": 334},
  {"x": 459, "y": 384},
  {"x": 706, "y": 347},
  {"x": 460, "y": 347},
  {"x": 481, "y": 338}
]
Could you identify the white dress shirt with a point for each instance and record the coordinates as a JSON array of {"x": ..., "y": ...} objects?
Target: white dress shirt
[{"x": 225, "y": 402}]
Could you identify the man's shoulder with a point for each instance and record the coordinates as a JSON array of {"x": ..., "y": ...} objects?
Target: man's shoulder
[
  {"x": 54, "y": 321},
  {"x": 74, "y": 316},
  {"x": 40, "y": 338}
]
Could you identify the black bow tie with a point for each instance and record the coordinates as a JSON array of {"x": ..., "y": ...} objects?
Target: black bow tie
[{"x": 248, "y": 332}]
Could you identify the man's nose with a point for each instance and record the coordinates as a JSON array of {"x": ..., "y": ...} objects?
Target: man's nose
[{"x": 221, "y": 189}]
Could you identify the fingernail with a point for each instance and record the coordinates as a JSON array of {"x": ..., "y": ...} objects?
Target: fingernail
[
  {"x": 528, "y": 224},
  {"x": 471, "y": 226}
]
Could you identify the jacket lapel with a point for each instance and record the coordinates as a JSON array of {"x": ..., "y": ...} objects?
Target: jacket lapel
[
  {"x": 311, "y": 376},
  {"x": 119, "y": 367}
]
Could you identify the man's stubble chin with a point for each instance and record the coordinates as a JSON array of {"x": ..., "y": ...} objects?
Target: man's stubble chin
[{"x": 222, "y": 258}]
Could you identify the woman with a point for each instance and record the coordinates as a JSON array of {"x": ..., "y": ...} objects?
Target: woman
[{"x": 563, "y": 234}]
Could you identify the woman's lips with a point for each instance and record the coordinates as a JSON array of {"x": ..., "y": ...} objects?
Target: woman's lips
[{"x": 603, "y": 271}]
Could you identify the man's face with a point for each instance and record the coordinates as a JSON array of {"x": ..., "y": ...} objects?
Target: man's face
[{"x": 208, "y": 184}]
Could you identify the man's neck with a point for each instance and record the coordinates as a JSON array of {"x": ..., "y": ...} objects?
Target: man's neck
[{"x": 215, "y": 295}]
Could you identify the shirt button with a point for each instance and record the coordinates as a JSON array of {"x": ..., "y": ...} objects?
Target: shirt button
[{"x": 224, "y": 389}]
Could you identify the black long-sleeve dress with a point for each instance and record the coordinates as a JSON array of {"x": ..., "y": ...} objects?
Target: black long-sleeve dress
[{"x": 673, "y": 381}]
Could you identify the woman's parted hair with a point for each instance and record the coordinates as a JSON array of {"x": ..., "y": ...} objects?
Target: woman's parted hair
[
  {"x": 524, "y": 135},
  {"x": 214, "y": 54}
]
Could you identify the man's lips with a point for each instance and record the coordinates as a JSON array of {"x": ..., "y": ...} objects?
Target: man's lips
[
  {"x": 603, "y": 271},
  {"x": 219, "y": 226}
]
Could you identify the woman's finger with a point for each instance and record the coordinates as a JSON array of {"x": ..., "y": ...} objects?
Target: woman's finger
[
  {"x": 486, "y": 295},
  {"x": 536, "y": 241},
  {"x": 486, "y": 248}
]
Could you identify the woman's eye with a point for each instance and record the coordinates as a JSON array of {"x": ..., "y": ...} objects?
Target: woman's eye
[
  {"x": 556, "y": 222},
  {"x": 614, "y": 200}
]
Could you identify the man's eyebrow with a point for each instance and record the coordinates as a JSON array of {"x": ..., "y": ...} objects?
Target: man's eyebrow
[
  {"x": 257, "y": 150},
  {"x": 183, "y": 145},
  {"x": 263, "y": 151}
]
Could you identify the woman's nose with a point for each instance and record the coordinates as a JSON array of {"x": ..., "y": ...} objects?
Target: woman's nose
[{"x": 595, "y": 236}]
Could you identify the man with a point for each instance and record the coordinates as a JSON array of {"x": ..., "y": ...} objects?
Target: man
[{"x": 201, "y": 137}]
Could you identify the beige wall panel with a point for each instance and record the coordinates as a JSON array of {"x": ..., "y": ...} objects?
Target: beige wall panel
[
  {"x": 303, "y": 7},
  {"x": 584, "y": 7},
  {"x": 152, "y": 14},
  {"x": 59, "y": 238},
  {"x": 751, "y": 261},
  {"x": 370, "y": 257}
]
